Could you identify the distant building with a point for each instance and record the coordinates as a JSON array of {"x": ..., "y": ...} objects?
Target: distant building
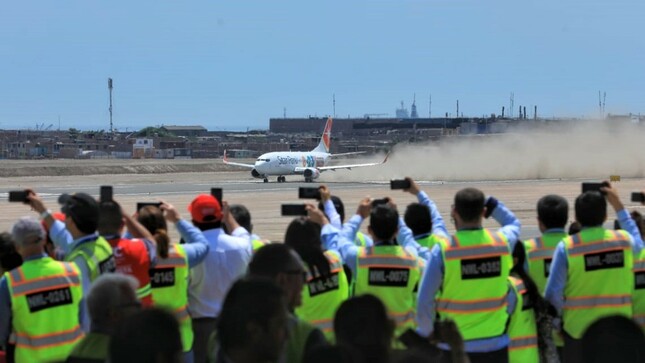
[{"x": 186, "y": 131}]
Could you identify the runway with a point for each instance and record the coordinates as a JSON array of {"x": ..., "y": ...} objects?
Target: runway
[{"x": 264, "y": 199}]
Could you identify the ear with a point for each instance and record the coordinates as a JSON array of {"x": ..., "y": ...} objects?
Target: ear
[
  {"x": 369, "y": 231},
  {"x": 484, "y": 212}
]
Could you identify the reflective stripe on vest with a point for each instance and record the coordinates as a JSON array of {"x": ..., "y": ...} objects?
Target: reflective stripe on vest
[
  {"x": 597, "y": 301},
  {"x": 470, "y": 306},
  {"x": 476, "y": 251},
  {"x": 46, "y": 283},
  {"x": 523, "y": 342},
  {"x": 368, "y": 259},
  {"x": 144, "y": 291},
  {"x": 541, "y": 254},
  {"x": 599, "y": 247},
  {"x": 171, "y": 261},
  {"x": 639, "y": 265},
  {"x": 48, "y": 340}
]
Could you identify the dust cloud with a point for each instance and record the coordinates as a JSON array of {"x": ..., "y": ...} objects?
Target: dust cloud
[{"x": 579, "y": 149}]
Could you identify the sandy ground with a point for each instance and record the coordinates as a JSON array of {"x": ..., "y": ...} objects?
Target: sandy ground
[{"x": 264, "y": 200}]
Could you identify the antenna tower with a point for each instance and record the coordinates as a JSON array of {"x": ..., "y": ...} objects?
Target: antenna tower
[
  {"x": 512, "y": 104},
  {"x": 110, "y": 90},
  {"x": 430, "y": 108},
  {"x": 334, "y": 98}
]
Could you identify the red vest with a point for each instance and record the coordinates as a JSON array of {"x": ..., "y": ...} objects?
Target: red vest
[{"x": 132, "y": 259}]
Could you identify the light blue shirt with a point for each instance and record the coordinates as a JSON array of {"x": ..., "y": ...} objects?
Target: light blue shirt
[
  {"x": 433, "y": 279},
  {"x": 5, "y": 306},
  {"x": 196, "y": 245},
  {"x": 554, "y": 291},
  {"x": 332, "y": 214},
  {"x": 438, "y": 224}
]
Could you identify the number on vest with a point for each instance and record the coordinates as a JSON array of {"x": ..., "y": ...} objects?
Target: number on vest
[
  {"x": 478, "y": 268},
  {"x": 162, "y": 277},
  {"x": 321, "y": 285},
  {"x": 49, "y": 299},
  {"x": 393, "y": 277},
  {"x": 604, "y": 260}
]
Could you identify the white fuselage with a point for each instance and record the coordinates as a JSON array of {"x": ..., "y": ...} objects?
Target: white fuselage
[{"x": 288, "y": 162}]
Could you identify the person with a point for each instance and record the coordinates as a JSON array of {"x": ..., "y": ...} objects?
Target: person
[
  {"x": 591, "y": 274},
  {"x": 169, "y": 277},
  {"x": 334, "y": 210},
  {"x": 133, "y": 256},
  {"x": 424, "y": 218},
  {"x": 242, "y": 217},
  {"x": 466, "y": 279},
  {"x": 248, "y": 331},
  {"x": 40, "y": 300},
  {"x": 613, "y": 339},
  {"x": 9, "y": 260},
  {"x": 148, "y": 336},
  {"x": 279, "y": 263},
  {"x": 388, "y": 270},
  {"x": 77, "y": 237},
  {"x": 327, "y": 285},
  {"x": 362, "y": 323},
  {"x": 638, "y": 298},
  {"x": 112, "y": 299},
  {"x": 226, "y": 261}
]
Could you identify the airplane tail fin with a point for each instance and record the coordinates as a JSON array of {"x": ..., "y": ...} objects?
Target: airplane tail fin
[{"x": 325, "y": 141}]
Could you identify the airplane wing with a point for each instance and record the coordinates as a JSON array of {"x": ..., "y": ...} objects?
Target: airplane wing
[
  {"x": 347, "y": 154},
  {"x": 334, "y": 167},
  {"x": 225, "y": 160}
]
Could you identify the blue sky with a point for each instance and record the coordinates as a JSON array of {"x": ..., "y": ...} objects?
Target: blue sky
[{"x": 235, "y": 64}]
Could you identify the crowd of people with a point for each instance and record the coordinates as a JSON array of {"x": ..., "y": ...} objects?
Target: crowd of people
[{"x": 93, "y": 283}]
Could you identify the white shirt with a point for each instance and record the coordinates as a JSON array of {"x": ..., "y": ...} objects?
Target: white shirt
[{"x": 227, "y": 260}]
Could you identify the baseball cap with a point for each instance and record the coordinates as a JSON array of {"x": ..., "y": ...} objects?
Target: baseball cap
[
  {"x": 205, "y": 208},
  {"x": 83, "y": 209},
  {"x": 25, "y": 229}
]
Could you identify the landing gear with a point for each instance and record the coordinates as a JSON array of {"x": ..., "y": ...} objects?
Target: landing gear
[
  {"x": 308, "y": 180},
  {"x": 266, "y": 180},
  {"x": 281, "y": 179}
]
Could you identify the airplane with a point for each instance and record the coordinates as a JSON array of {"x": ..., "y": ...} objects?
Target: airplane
[{"x": 308, "y": 164}]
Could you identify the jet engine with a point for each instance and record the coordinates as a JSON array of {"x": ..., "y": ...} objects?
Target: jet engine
[{"x": 311, "y": 174}]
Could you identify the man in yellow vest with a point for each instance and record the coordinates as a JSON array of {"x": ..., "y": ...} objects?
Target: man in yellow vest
[
  {"x": 424, "y": 218},
  {"x": 40, "y": 300},
  {"x": 78, "y": 238},
  {"x": 591, "y": 274},
  {"x": 466, "y": 278}
]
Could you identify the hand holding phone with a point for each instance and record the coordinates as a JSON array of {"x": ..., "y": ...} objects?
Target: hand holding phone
[
  {"x": 400, "y": 184},
  {"x": 377, "y": 202},
  {"x": 19, "y": 196},
  {"x": 593, "y": 187},
  {"x": 217, "y": 193},
  {"x": 638, "y": 197},
  {"x": 106, "y": 193},
  {"x": 142, "y": 205}
]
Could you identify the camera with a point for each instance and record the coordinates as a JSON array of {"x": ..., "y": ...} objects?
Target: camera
[
  {"x": 18, "y": 196},
  {"x": 309, "y": 193},
  {"x": 294, "y": 210},
  {"x": 106, "y": 193},
  {"x": 377, "y": 202},
  {"x": 593, "y": 187},
  {"x": 217, "y": 193},
  {"x": 638, "y": 197},
  {"x": 141, "y": 205},
  {"x": 400, "y": 184}
]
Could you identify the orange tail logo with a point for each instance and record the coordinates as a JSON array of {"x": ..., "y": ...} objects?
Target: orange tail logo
[{"x": 327, "y": 134}]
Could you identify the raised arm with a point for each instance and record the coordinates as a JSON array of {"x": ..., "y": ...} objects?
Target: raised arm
[
  {"x": 438, "y": 224},
  {"x": 196, "y": 246},
  {"x": 507, "y": 219},
  {"x": 624, "y": 218}
]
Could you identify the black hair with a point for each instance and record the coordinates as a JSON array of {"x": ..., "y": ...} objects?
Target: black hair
[
  {"x": 417, "y": 217},
  {"x": 613, "y": 339},
  {"x": 362, "y": 323},
  {"x": 574, "y": 228},
  {"x": 270, "y": 260},
  {"x": 110, "y": 217},
  {"x": 242, "y": 216},
  {"x": 384, "y": 221},
  {"x": 553, "y": 211},
  {"x": 249, "y": 300},
  {"x": 9, "y": 257},
  {"x": 541, "y": 307},
  {"x": 469, "y": 204},
  {"x": 338, "y": 204},
  {"x": 591, "y": 209},
  {"x": 205, "y": 226},
  {"x": 145, "y": 336},
  {"x": 303, "y": 236}
]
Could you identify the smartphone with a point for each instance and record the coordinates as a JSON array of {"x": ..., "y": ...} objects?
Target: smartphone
[
  {"x": 145, "y": 204},
  {"x": 399, "y": 184},
  {"x": 309, "y": 193},
  {"x": 592, "y": 187},
  {"x": 377, "y": 202},
  {"x": 294, "y": 210},
  {"x": 18, "y": 196},
  {"x": 638, "y": 197},
  {"x": 217, "y": 193},
  {"x": 412, "y": 339},
  {"x": 106, "y": 193}
]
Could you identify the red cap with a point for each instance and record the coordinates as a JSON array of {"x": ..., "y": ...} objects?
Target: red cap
[
  {"x": 57, "y": 216},
  {"x": 205, "y": 208}
]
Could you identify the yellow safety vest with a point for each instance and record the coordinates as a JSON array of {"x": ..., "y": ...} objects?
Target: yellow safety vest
[
  {"x": 391, "y": 274},
  {"x": 539, "y": 252},
  {"x": 256, "y": 244},
  {"x": 98, "y": 256},
  {"x": 430, "y": 240},
  {"x": 45, "y": 296},
  {"x": 475, "y": 286},
  {"x": 360, "y": 239},
  {"x": 169, "y": 281},
  {"x": 322, "y": 296},
  {"x": 639, "y": 290},
  {"x": 522, "y": 329},
  {"x": 600, "y": 280}
]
